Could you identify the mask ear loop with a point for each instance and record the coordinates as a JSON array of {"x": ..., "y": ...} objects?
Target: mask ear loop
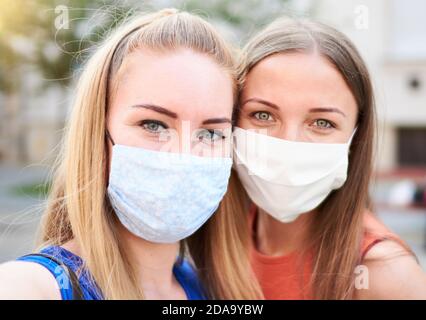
[
  {"x": 109, "y": 137},
  {"x": 108, "y": 156},
  {"x": 352, "y": 136}
]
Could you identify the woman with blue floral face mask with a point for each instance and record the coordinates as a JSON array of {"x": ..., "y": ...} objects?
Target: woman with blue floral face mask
[
  {"x": 145, "y": 164},
  {"x": 303, "y": 152}
]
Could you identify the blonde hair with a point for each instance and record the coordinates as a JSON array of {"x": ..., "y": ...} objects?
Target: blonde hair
[{"x": 78, "y": 207}]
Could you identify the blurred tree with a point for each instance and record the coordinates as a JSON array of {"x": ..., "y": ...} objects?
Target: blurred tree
[
  {"x": 243, "y": 17},
  {"x": 47, "y": 40},
  {"x": 29, "y": 32},
  {"x": 8, "y": 62}
]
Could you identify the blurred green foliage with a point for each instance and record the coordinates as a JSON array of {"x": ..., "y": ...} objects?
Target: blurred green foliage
[
  {"x": 29, "y": 35},
  {"x": 37, "y": 190}
]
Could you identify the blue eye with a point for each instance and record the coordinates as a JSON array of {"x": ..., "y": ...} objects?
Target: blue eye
[
  {"x": 262, "y": 116},
  {"x": 153, "y": 126},
  {"x": 323, "y": 124},
  {"x": 210, "y": 135}
]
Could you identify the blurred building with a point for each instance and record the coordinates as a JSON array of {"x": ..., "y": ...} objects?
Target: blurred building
[
  {"x": 390, "y": 34},
  {"x": 31, "y": 122},
  {"x": 392, "y": 39}
]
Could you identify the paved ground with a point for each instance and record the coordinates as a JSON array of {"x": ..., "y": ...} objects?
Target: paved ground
[{"x": 19, "y": 216}]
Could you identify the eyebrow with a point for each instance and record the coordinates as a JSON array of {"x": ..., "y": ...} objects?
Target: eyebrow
[
  {"x": 258, "y": 100},
  {"x": 174, "y": 115},
  {"x": 217, "y": 120},
  {"x": 274, "y": 106},
  {"x": 327, "y": 110},
  {"x": 158, "y": 109}
]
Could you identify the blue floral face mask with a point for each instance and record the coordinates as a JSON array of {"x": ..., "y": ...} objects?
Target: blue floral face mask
[{"x": 165, "y": 197}]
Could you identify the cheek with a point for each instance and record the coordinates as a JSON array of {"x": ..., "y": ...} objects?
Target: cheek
[
  {"x": 350, "y": 126},
  {"x": 355, "y": 119}
]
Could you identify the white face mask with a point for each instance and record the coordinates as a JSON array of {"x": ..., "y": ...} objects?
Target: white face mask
[{"x": 288, "y": 178}]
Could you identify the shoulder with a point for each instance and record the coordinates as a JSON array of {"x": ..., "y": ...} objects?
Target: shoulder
[
  {"x": 374, "y": 232},
  {"x": 27, "y": 280},
  {"x": 393, "y": 273}
]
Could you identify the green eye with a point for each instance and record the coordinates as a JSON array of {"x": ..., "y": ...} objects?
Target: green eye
[
  {"x": 262, "y": 116},
  {"x": 153, "y": 126},
  {"x": 324, "y": 124},
  {"x": 210, "y": 135}
]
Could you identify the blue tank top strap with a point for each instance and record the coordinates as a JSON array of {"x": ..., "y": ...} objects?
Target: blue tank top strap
[
  {"x": 184, "y": 272},
  {"x": 89, "y": 289},
  {"x": 188, "y": 278},
  {"x": 63, "y": 281}
]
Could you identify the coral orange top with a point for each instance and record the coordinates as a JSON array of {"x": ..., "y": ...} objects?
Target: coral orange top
[{"x": 287, "y": 278}]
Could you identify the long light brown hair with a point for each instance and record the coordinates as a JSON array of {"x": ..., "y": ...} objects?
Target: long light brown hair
[
  {"x": 337, "y": 226},
  {"x": 78, "y": 207}
]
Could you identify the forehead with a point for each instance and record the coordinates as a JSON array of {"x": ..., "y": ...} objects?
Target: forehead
[
  {"x": 184, "y": 80},
  {"x": 300, "y": 78}
]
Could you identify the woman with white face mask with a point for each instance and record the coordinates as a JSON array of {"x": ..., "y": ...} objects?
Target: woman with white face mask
[
  {"x": 303, "y": 152},
  {"x": 144, "y": 166}
]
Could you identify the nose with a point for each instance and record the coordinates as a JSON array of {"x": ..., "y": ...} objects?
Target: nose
[
  {"x": 290, "y": 132},
  {"x": 180, "y": 140}
]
